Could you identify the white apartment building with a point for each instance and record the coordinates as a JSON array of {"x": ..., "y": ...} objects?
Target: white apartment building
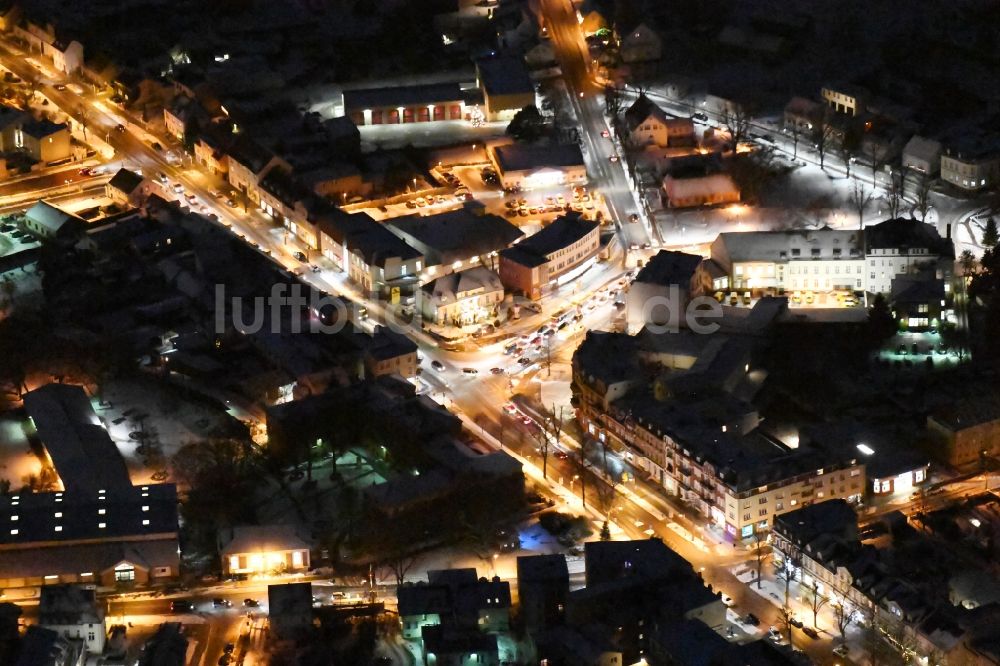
[
  {"x": 904, "y": 247},
  {"x": 976, "y": 170},
  {"x": 814, "y": 260}
]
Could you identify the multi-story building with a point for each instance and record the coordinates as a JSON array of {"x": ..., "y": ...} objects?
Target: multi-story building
[
  {"x": 462, "y": 298},
  {"x": 971, "y": 160},
  {"x": 552, "y": 254},
  {"x": 967, "y": 430},
  {"x": 249, "y": 163},
  {"x": 100, "y": 529},
  {"x": 905, "y": 247},
  {"x": 73, "y": 612},
  {"x": 693, "y": 437},
  {"x": 845, "y": 98},
  {"x": 371, "y": 255},
  {"x": 813, "y": 260}
]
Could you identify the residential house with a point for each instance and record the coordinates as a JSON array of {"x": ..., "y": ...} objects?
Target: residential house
[
  {"x": 923, "y": 155},
  {"x": 376, "y": 259},
  {"x": 249, "y": 163},
  {"x": 42, "y": 140},
  {"x": 506, "y": 85},
  {"x": 965, "y": 431},
  {"x": 638, "y": 44},
  {"x": 289, "y": 611},
  {"x": 803, "y": 116},
  {"x": 182, "y": 117},
  {"x": 552, "y": 255},
  {"x": 127, "y": 188},
  {"x": 73, "y": 612},
  {"x": 971, "y": 159},
  {"x": 66, "y": 54},
  {"x": 211, "y": 149},
  {"x": 47, "y": 222},
  {"x": 388, "y": 352},
  {"x": 648, "y": 125},
  {"x": 44, "y": 647},
  {"x": 538, "y": 166},
  {"x": 258, "y": 549},
  {"x": 463, "y": 298}
]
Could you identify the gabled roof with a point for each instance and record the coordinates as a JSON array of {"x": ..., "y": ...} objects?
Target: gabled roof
[
  {"x": 262, "y": 538},
  {"x": 51, "y": 217},
  {"x": 641, "y": 109},
  {"x": 561, "y": 233},
  {"x": 125, "y": 181}
]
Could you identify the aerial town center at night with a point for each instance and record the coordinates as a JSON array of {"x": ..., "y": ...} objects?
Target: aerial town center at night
[{"x": 499, "y": 333}]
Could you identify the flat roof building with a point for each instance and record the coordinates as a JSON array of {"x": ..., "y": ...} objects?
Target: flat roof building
[{"x": 538, "y": 166}]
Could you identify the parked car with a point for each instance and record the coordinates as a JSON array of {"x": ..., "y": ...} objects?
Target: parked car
[
  {"x": 700, "y": 116},
  {"x": 751, "y": 619},
  {"x": 181, "y": 606},
  {"x": 437, "y": 365},
  {"x": 810, "y": 632},
  {"x": 300, "y": 256},
  {"x": 469, "y": 371}
]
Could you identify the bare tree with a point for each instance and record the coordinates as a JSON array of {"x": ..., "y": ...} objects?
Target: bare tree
[
  {"x": 785, "y": 617},
  {"x": 759, "y": 543},
  {"x": 923, "y": 196},
  {"x": 581, "y": 463},
  {"x": 894, "y": 196},
  {"x": 844, "y": 616},
  {"x": 736, "y": 120},
  {"x": 397, "y": 565},
  {"x": 876, "y": 153},
  {"x": 825, "y": 135},
  {"x": 816, "y": 600},
  {"x": 860, "y": 197},
  {"x": 796, "y": 131}
]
